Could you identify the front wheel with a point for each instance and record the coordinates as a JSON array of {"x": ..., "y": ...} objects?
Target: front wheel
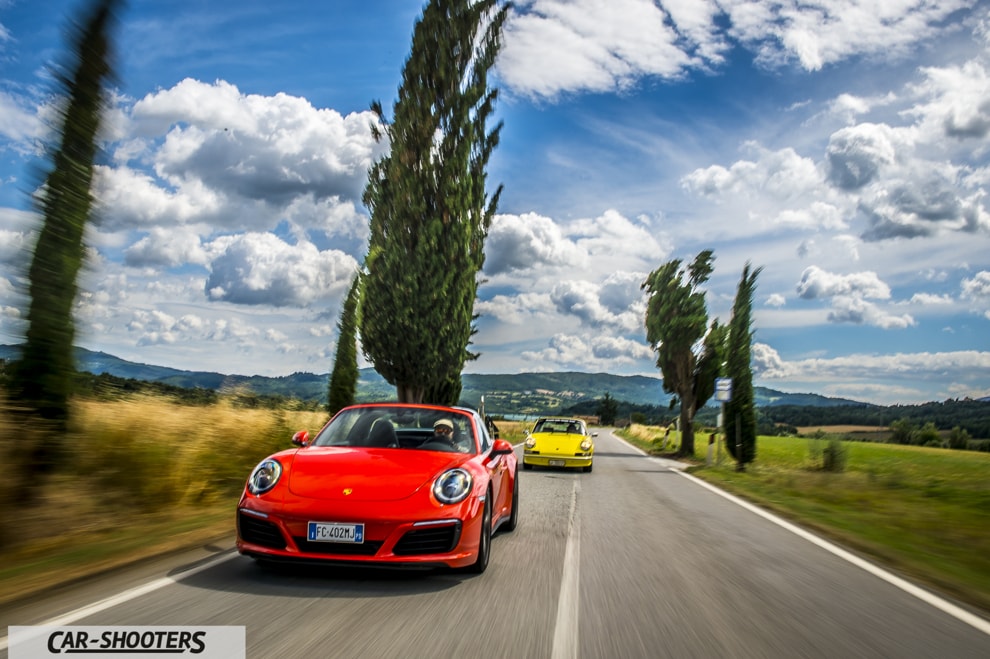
[
  {"x": 485, "y": 540},
  {"x": 510, "y": 525}
]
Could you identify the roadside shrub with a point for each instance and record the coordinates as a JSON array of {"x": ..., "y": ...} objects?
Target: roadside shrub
[{"x": 834, "y": 456}]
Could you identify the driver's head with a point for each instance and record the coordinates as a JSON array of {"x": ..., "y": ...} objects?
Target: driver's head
[{"x": 443, "y": 427}]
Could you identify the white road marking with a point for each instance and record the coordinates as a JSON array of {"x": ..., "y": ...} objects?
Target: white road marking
[
  {"x": 956, "y": 612},
  {"x": 126, "y": 596},
  {"x": 565, "y": 631}
]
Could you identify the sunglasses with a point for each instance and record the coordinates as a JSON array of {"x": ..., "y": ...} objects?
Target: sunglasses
[{"x": 443, "y": 429}]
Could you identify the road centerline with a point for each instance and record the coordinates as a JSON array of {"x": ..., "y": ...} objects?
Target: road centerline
[{"x": 565, "y": 631}]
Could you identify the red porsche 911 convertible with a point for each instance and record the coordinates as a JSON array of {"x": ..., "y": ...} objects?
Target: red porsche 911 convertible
[{"x": 385, "y": 484}]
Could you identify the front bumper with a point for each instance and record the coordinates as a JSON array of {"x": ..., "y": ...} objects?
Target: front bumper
[
  {"x": 551, "y": 460},
  {"x": 405, "y": 539}
]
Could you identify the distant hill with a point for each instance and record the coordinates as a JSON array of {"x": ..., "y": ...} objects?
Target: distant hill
[{"x": 520, "y": 393}]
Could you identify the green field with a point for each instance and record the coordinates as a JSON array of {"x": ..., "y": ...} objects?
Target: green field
[{"x": 923, "y": 512}]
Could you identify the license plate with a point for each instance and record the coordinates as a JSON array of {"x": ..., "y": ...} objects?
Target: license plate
[
  {"x": 329, "y": 532},
  {"x": 556, "y": 463}
]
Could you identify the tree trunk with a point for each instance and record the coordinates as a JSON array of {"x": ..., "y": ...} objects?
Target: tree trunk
[
  {"x": 407, "y": 393},
  {"x": 687, "y": 422}
]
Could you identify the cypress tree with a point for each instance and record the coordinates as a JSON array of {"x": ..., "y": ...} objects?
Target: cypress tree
[
  {"x": 430, "y": 212},
  {"x": 344, "y": 376},
  {"x": 44, "y": 374},
  {"x": 740, "y": 412}
]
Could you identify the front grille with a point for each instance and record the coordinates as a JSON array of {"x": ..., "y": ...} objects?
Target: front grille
[
  {"x": 348, "y": 548},
  {"x": 259, "y": 532},
  {"x": 431, "y": 540}
]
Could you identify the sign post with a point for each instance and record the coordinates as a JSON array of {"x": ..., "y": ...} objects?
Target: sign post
[{"x": 723, "y": 394}]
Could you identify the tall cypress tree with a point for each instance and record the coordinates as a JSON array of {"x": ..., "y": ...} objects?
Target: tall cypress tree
[
  {"x": 344, "y": 377},
  {"x": 740, "y": 412},
  {"x": 430, "y": 212},
  {"x": 43, "y": 376}
]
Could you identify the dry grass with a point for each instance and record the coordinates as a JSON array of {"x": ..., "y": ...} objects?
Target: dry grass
[{"x": 141, "y": 475}]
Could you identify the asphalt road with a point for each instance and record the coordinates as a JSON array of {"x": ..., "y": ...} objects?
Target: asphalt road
[{"x": 632, "y": 560}]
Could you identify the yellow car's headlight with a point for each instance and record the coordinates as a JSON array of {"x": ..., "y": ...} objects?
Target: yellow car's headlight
[
  {"x": 530, "y": 442},
  {"x": 586, "y": 445}
]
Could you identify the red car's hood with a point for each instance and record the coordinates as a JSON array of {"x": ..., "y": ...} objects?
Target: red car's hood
[{"x": 363, "y": 474}]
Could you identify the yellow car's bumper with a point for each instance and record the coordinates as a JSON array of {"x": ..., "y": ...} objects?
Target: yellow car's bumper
[{"x": 550, "y": 460}]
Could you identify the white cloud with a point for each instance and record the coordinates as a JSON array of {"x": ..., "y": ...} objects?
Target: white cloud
[
  {"x": 528, "y": 241},
  {"x": 262, "y": 269},
  {"x": 817, "y": 283},
  {"x": 978, "y": 287},
  {"x": 606, "y": 45}
]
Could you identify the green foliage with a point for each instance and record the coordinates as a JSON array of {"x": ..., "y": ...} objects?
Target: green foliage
[
  {"x": 959, "y": 438},
  {"x": 608, "y": 410},
  {"x": 740, "y": 412},
  {"x": 834, "y": 456},
  {"x": 430, "y": 212},
  {"x": 676, "y": 323},
  {"x": 970, "y": 415},
  {"x": 928, "y": 436},
  {"x": 342, "y": 388},
  {"x": 43, "y": 378}
]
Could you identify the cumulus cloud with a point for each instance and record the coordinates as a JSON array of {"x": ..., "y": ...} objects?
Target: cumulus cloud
[
  {"x": 978, "y": 287},
  {"x": 262, "y": 269},
  {"x": 207, "y": 153},
  {"x": 593, "y": 45},
  {"x": 969, "y": 364},
  {"x": 856, "y": 155},
  {"x": 166, "y": 248},
  {"x": 782, "y": 174},
  {"x": 846, "y": 309},
  {"x": 601, "y": 46},
  {"x": 568, "y": 351},
  {"x": 817, "y": 283},
  {"x": 522, "y": 242}
]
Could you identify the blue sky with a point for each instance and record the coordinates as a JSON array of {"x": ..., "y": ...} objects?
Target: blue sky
[{"x": 842, "y": 146}]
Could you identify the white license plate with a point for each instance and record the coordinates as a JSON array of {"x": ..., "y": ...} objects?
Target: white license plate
[
  {"x": 328, "y": 532},
  {"x": 556, "y": 463}
]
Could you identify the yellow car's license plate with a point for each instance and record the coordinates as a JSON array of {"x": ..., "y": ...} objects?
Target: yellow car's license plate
[{"x": 556, "y": 463}]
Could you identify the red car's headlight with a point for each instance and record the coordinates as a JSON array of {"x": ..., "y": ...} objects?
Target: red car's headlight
[
  {"x": 452, "y": 486},
  {"x": 265, "y": 476}
]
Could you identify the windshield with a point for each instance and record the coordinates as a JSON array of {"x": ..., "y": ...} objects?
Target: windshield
[
  {"x": 571, "y": 426},
  {"x": 401, "y": 427}
]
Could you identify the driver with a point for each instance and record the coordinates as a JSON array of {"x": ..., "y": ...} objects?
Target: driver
[{"x": 443, "y": 431}]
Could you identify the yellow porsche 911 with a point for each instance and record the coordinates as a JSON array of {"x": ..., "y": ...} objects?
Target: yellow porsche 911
[{"x": 559, "y": 442}]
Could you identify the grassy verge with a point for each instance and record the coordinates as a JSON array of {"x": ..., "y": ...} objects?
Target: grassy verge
[
  {"x": 924, "y": 512},
  {"x": 142, "y": 476}
]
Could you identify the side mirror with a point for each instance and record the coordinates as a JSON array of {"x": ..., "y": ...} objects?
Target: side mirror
[
  {"x": 501, "y": 447},
  {"x": 301, "y": 438},
  {"x": 594, "y": 434}
]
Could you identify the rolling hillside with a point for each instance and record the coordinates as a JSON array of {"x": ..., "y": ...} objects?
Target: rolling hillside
[{"x": 519, "y": 393}]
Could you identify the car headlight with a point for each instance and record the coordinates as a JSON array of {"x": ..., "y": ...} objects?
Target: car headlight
[
  {"x": 530, "y": 442},
  {"x": 586, "y": 445},
  {"x": 452, "y": 486},
  {"x": 265, "y": 476}
]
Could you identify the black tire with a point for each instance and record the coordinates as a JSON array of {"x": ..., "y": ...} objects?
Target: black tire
[
  {"x": 527, "y": 467},
  {"x": 513, "y": 521},
  {"x": 485, "y": 541},
  {"x": 587, "y": 469}
]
